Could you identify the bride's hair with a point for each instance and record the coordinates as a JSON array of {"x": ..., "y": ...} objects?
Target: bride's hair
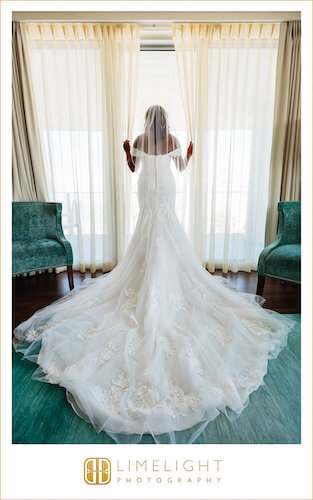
[{"x": 156, "y": 121}]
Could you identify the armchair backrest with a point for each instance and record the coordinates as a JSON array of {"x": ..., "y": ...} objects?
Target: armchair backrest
[
  {"x": 289, "y": 229},
  {"x": 33, "y": 220}
]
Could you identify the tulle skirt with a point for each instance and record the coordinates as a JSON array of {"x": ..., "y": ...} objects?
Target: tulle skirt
[{"x": 158, "y": 346}]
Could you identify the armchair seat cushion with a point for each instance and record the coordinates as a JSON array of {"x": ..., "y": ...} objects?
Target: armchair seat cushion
[
  {"x": 37, "y": 254},
  {"x": 285, "y": 262}
]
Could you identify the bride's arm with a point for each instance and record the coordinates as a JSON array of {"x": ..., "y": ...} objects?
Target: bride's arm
[
  {"x": 131, "y": 160},
  {"x": 181, "y": 163}
]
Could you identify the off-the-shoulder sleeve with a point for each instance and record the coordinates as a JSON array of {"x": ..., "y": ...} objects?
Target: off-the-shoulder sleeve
[
  {"x": 175, "y": 152},
  {"x": 180, "y": 163},
  {"x": 137, "y": 152}
]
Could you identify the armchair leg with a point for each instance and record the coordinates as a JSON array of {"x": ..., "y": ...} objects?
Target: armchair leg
[
  {"x": 70, "y": 277},
  {"x": 260, "y": 286}
]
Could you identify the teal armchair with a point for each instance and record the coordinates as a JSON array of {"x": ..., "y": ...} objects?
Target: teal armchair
[
  {"x": 282, "y": 259},
  {"x": 38, "y": 238}
]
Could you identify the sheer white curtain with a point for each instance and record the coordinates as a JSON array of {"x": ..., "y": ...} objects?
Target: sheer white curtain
[
  {"x": 84, "y": 78},
  {"x": 227, "y": 78}
]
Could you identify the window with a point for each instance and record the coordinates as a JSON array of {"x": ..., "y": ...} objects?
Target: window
[{"x": 68, "y": 93}]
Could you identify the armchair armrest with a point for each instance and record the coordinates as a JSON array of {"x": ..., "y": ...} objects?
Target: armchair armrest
[
  {"x": 60, "y": 235},
  {"x": 265, "y": 253},
  {"x": 288, "y": 230},
  {"x": 54, "y": 229},
  {"x": 289, "y": 222}
]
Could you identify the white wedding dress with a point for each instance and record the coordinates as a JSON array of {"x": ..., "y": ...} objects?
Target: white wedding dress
[{"x": 158, "y": 345}]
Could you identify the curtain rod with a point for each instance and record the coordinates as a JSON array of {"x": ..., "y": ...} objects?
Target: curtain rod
[{"x": 157, "y": 17}]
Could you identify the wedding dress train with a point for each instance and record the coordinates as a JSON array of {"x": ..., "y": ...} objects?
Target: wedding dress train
[{"x": 158, "y": 345}]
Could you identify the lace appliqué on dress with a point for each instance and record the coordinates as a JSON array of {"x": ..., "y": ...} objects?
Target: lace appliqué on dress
[
  {"x": 107, "y": 353},
  {"x": 53, "y": 374},
  {"x": 257, "y": 326},
  {"x": 195, "y": 363},
  {"x": 249, "y": 377},
  {"x": 167, "y": 346},
  {"x": 143, "y": 268},
  {"x": 220, "y": 337},
  {"x": 86, "y": 334},
  {"x": 147, "y": 372},
  {"x": 180, "y": 404},
  {"x": 135, "y": 344},
  {"x": 223, "y": 392},
  {"x": 37, "y": 332},
  {"x": 131, "y": 297},
  {"x": 111, "y": 398},
  {"x": 145, "y": 399}
]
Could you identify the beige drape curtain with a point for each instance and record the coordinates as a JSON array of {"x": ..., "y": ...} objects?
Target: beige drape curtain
[
  {"x": 29, "y": 179},
  {"x": 85, "y": 77},
  {"x": 285, "y": 172},
  {"x": 227, "y": 79}
]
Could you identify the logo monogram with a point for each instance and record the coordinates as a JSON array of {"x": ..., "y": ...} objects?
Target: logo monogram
[{"x": 97, "y": 471}]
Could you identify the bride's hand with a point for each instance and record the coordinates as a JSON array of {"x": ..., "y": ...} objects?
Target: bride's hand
[
  {"x": 189, "y": 150},
  {"x": 126, "y": 146}
]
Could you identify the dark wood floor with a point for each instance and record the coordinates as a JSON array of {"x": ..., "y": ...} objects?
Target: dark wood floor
[{"x": 34, "y": 292}]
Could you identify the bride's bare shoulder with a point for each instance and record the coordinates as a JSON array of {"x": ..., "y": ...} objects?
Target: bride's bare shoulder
[
  {"x": 138, "y": 142},
  {"x": 173, "y": 142}
]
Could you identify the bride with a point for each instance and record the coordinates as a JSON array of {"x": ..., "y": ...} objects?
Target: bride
[{"x": 158, "y": 345}]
